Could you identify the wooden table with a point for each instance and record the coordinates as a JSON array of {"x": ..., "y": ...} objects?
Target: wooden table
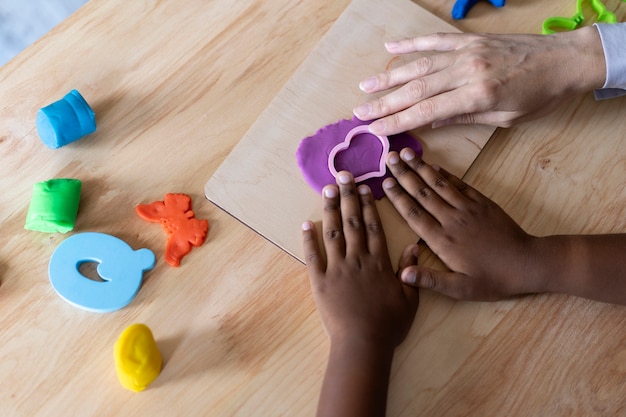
[{"x": 175, "y": 85}]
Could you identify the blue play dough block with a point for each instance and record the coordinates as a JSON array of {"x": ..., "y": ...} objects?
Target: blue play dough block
[
  {"x": 65, "y": 121},
  {"x": 461, "y": 7},
  {"x": 120, "y": 267}
]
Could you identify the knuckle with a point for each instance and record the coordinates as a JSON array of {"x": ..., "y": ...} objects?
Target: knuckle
[
  {"x": 348, "y": 192},
  {"x": 468, "y": 119},
  {"x": 333, "y": 234},
  {"x": 382, "y": 103},
  {"x": 366, "y": 201},
  {"x": 438, "y": 35},
  {"x": 447, "y": 242},
  {"x": 401, "y": 170},
  {"x": 330, "y": 205},
  {"x": 416, "y": 89},
  {"x": 462, "y": 187},
  {"x": 374, "y": 227},
  {"x": 311, "y": 258},
  {"x": 424, "y": 192},
  {"x": 461, "y": 220},
  {"x": 413, "y": 212},
  {"x": 354, "y": 222},
  {"x": 417, "y": 164},
  {"x": 427, "y": 280},
  {"x": 423, "y": 65},
  {"x": 440, "y": 183},
  {"x": 426, "y": 109},
  {"x": 394, "y": 121},
  {"x": 386, "y": 78},
  {"x": 486, "y": 95},
  {"x": 477, "y": 64}
]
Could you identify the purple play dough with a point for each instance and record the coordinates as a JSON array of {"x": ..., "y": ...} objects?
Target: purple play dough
[{"x": 362, "y": 156}]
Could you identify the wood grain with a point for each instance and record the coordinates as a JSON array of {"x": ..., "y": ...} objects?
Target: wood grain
[
  {"x": 175, "y": 88},
  {"x": 260, "y": 182}
]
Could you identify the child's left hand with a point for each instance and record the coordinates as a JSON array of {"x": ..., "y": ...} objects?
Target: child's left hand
[
  {"x": 366, "y": 310},
  {"x": 358, "y": 295}
]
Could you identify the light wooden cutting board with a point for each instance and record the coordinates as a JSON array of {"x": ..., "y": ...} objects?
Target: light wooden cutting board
[{"x": 260, "y": 183}]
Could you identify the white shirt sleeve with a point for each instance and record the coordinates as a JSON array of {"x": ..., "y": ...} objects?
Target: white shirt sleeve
[{"x": 613, "y": 37}]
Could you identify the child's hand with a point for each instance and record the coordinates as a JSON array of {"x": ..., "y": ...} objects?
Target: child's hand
[
  {"x": 358, "y": 295},
  {"x": 486, "y": 250}
]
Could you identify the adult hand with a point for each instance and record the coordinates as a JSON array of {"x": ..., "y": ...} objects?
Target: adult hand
[{"x": 482, "y": 78}]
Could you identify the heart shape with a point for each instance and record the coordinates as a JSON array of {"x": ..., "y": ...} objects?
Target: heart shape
[{"x": 380, "y": 163}]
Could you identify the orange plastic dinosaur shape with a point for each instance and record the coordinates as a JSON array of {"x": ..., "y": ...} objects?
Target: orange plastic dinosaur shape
[{"x": 175, "y": 215}]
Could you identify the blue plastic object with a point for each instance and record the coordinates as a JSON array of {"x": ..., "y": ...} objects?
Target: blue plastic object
[
  {"x": 461, "y": 7},
  {"x": 120, "y": 267},
  {"x": 65, "y": 121}
]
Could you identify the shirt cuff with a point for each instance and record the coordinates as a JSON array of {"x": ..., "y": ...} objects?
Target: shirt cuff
[
  {"x": 613, "y": 38},
  {"x": 606, "y": 93}
]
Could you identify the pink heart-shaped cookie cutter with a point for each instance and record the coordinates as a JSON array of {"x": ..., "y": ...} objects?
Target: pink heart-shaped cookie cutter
[{"x": 346, "y": 144}]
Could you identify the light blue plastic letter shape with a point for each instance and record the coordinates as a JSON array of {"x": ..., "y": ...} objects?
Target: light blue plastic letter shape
[{"x": 120, "y": 267}]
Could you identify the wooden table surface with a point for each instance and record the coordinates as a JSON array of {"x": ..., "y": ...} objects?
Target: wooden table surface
[{"x": 175, "y": 85}]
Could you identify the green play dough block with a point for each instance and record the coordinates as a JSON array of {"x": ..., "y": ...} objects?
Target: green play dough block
[{"x": 54, "y": 206}]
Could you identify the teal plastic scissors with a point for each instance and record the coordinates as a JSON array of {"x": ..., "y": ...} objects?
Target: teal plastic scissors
[{"x": 571, "y": 23}]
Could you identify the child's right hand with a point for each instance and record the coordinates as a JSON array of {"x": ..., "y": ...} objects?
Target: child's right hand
[
  {"x": 489, "y": 255},
  {"x": 486, "y": 250}
]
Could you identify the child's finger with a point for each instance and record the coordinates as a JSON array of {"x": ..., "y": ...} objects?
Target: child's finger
[
  {"x": 464, "y": 188},
  {"x": 352, "y": 219},
  {"x": 452, "y": 284},
  {"x": 374, "y": 233},
  {"x": 408, "y": 258},
  {"x": 312, "y": 254},
  {"x": 433, "y": 179},
  {"x": 418, "y": 219},
  {"x": 416, "y": 187},
  {"x": 332, "y": 229}
]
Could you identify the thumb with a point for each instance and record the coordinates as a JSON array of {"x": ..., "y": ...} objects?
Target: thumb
[{"x": 452, "y": 284}]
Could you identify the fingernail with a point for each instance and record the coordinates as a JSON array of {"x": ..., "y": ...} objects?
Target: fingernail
[
  {"x": 344, "y": 179},
  {"x": 368, "y": 84},
  {"x": 363, "y": 189},
  {"x": 377, "y": 127},
  {"x": 306, "y": 226},
  {"x": 363, "y": 110},
  {"x": 390, "y": 46},
  {"x": 330, "y": 192},
  {"x": 393, "y": 158},
  {"x": 436, "y": 167},
  {"x": 388, "y": 183},
  {"x": 407, "y": 154},
  {"x": 409, "y": 276}
]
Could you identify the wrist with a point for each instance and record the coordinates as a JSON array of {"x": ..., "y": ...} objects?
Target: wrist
[
  {"x": 584, "y": 67},
  {"x": 357, "y": 378},
  {"x": 552, "y": 258},
  {"x": 361, "y": 347}
]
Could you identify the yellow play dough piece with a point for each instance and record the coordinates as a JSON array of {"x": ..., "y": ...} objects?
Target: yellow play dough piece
[{"x": 137, "y": 357}]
